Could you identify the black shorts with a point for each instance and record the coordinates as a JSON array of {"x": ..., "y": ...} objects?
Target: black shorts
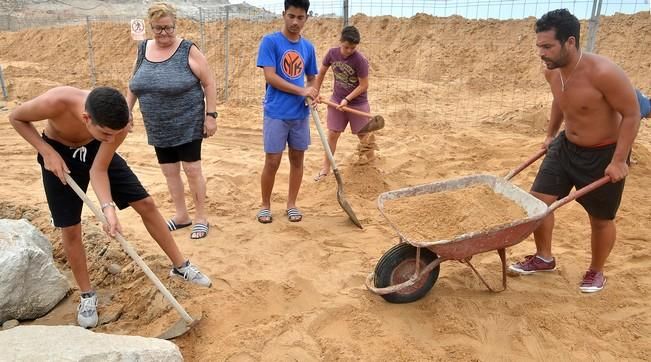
[
  {"x": 567, "y": 165},
  {"x": 187, "y": 152},
  {"x": 65, "y": 206}
]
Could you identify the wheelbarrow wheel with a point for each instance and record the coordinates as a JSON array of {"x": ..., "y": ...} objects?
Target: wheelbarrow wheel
[{"x": 397, "y": 265}]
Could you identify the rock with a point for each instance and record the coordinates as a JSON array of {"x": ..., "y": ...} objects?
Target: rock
[
  {"x": 10, "y": 324},
  {"x": 114, "y": 269},
  {"x": 113, "y": 254},
  {"x": 72, "y": 343},
  {"x": 30, "y": 283},
  {"x": 110, "y": 314},
  {"x": 29, "y": 215}
]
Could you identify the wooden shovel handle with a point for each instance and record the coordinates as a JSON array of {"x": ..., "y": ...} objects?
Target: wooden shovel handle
[
  {"x": 347, "y": 109},
  {"x": 132, "y": 253}
]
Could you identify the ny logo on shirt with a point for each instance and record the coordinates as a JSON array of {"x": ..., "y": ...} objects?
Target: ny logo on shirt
[{"x": 292, "y": 64}]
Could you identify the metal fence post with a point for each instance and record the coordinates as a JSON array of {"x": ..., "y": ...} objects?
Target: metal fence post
[
  {"x": 201, "y": 31},
  {"x": 345, "y": 12},
  {"x": 2, "y": 83},
  {"x": 91, "y": 57},
  {"x": 226, "y": 55},
  {"x": 593, "y": 26}
]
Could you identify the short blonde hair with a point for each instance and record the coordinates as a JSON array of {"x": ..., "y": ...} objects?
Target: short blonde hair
[{"x": 161, "y": 9}]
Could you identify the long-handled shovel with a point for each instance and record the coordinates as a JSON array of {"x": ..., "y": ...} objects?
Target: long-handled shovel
[
  {"x": 340, "y": 183},
  {"x": 376, "y": 122},
  {"x": 180, "y": 326}
]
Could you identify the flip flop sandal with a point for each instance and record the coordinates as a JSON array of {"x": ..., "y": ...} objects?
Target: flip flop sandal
[
  {"x": 320, "y": 176},
  {"x": 264, "y": 216},
  {"x": 294, "y": 214},
  {"x": 200, "y": 229},
  {"x": 172, "y": 225}
]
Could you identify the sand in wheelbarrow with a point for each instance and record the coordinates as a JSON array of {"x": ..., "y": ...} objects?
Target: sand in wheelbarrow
[{"x": 445, "y": 215}]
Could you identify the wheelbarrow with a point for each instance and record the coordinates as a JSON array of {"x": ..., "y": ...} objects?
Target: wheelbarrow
[{"x": 408, "y": 270}]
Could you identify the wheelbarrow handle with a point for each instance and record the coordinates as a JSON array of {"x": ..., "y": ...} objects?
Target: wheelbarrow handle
[
  {"x": 579, "y": 193},
  {"x": 347, "y": 109},
  {"x": 525, "y": 164}
]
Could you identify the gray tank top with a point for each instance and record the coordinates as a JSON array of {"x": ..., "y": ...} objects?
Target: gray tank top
[{"x": 171, "y": 97}]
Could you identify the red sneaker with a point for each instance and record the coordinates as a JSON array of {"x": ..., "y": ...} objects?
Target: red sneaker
[
  {"x": 532, "y": 264},
  {"x": 593, "y": 281}
]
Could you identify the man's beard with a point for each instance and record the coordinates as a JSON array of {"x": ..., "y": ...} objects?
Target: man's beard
[{"x": 560, "y": 62}]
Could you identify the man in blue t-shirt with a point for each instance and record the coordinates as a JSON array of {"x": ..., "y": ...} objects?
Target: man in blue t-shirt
[{"x": 287, "y": 59}]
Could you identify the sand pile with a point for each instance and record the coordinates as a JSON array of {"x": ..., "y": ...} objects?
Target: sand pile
[{"x": 447, "y": 214}]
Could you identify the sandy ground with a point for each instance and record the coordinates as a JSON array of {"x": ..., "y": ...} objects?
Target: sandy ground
[{"x": 295, "y": 291}]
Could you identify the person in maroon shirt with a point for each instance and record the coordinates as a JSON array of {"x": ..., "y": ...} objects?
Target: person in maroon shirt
[{"x": 350, "y": 70}]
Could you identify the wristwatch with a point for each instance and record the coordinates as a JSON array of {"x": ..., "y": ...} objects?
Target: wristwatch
[
  {"x": 212, "y": 114},
  {"x": 108, "y": 204}
]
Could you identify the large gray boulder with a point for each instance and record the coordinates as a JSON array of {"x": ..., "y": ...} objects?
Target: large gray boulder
[
  {"x": 72, "y": 343},
  {"x": 30, "y": 283}
]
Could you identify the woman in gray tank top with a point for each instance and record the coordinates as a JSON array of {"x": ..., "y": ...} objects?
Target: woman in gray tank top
[{"x": 171, "y": 79}]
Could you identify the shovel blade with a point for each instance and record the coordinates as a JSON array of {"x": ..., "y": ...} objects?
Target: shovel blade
[
  {"x": 349, "y": 210},
  {"x": 376, "y": 123},
  {"x": 179, "y": 328},
  {"x": 343, "y": 202}
]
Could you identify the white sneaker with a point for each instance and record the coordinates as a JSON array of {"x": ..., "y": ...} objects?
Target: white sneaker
[
  {"x": 192, "y": 274},
  {"x": 87, "y": 312}
]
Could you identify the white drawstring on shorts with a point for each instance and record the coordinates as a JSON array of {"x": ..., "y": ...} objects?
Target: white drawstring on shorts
[{"x": 82, "y": 153}]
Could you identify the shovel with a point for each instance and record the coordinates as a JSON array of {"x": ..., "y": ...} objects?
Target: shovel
[
  {"x": 181, "y": 326},
  {"x": 340, "y": 183},
  {"x": 375, "y": 123}
]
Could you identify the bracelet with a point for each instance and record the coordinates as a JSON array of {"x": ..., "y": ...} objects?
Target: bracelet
[
  {"x": 347, "y": 100},
  {"x": 108, "y": 204}
]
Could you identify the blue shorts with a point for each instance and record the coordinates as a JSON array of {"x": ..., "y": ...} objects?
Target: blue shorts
[
  {"x": 278, "y": 132},
  {"x": 645, "y": 104}
]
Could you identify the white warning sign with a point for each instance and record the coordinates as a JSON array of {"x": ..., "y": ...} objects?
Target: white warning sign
[{"x": 138, "y": 29}]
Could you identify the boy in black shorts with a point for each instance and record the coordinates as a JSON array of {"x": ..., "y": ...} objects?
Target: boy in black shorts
[{"x": 82, "y": 133}]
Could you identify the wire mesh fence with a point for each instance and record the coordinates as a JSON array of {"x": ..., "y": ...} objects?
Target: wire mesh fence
[{"x": 467, "y": 54}]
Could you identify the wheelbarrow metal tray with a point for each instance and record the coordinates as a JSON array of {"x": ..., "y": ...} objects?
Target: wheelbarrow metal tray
[{"x": 474, "y": 242}]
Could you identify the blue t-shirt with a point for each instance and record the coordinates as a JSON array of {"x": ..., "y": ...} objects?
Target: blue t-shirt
[{"x": 293, "y": 61}]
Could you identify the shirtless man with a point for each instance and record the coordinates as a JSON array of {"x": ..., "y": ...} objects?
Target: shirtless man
[
  {"x": 82, "y": 133},
  {"x": 602, "y": 116}
]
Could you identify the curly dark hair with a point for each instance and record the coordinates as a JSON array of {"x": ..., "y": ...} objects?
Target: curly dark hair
[
  {"x": 563, "y": 22},
  {"x": 107, "y": 107}
]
